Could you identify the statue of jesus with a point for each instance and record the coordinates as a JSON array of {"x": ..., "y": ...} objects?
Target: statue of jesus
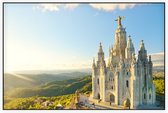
[{"x": 119, "y": 20}]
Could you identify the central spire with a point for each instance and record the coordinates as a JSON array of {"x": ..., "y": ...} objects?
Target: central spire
[{"x": 119, "y": 21}]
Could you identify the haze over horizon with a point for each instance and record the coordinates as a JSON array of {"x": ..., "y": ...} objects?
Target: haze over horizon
[{"x": 67, "y": 36}]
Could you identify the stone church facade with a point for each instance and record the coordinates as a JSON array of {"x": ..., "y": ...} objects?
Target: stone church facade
[{"x": 124, "y": 77}]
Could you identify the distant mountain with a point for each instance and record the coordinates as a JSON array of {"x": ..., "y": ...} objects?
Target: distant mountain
[
  {"x": 85, "y": 70},
  {"x": 158, "y": 61},
  {"x": 54, "y": 88},
  {"x": 14, "y": 80}
]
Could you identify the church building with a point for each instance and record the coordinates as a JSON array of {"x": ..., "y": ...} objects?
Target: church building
[{"x": 124, "y": 77}]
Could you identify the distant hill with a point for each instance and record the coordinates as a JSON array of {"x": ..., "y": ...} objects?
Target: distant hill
[
  {"x": 158, "y": 68},
  {"x": 54, "y": 88},
  {"x": 30, "y": 72},
  {"x": 158, "y": 59},
  {"x": 13, "y": 80}
]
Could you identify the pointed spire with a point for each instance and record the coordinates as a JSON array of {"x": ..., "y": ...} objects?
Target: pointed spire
[
  {"x": 130, "y": 44},
  {"x": 109, "y": 49},
  {"x": 100, "y": 53},
  {"x": 142, "y": 47},
  {"x": 93, "y": 62},
  {"x": 100, "y": 48},
  {"x": 149, "y": 58},
  {"x": 142, "y": 54},
  {"x": 129, "y": 38},
  {"x": 129, "y": 50},
  {"x": 150, "y": 62}
]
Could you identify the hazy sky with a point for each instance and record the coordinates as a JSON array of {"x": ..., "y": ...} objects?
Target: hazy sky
[{"x": 67, "y": 36}]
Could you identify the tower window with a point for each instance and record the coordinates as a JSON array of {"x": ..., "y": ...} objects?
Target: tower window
[
  {"x": 127, "y": 73},
  {"x": 149, "y": 96},
  {"x": 112, "y": 87},
  {"x": 127, "y": 83},
  {"x": 144, "y": 96}
]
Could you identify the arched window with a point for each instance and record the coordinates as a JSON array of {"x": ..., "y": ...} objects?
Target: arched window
[
  {"x": 127, "y": 83},
  {"x": 127, "y": 73},
  {"x": 112, "y": 98},
  {"x": 97, "y": 81},
  {"x": 112, "y": 87},
  {"x": 149, "y": 96},
  {"x": 144, "y": 96}
]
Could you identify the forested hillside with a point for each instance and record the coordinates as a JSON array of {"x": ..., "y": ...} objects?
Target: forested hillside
[
  {"x": 159, "y": 81},
  {"x": 15, "y": 80},
  {"x": 62, "y": 91},
  {"x": 38, "y": 102},
  {"x": 54, "y": 88}
]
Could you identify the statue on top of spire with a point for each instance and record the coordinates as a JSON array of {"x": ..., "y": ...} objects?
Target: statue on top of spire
[{"x": 119, "y": 21}]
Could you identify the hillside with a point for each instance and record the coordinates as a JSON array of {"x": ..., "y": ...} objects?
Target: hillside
[
  {"x": 13, "y": 81},
  {"x": 54, "y": 88},
  {"x": 54, "y": 92},
  {"x": 54, "y": 85},
  {"x": 62, "y": 92},
  {"x": 38, "y": 102}
]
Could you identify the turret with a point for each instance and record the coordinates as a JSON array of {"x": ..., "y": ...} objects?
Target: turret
[
  {"x": 100, "y": 53},
  {"x": 94, "y": 79},
  {"x": 129, "y": 50},
  {"x": 150, "y": 62},
  {"x": 150, "y": 66},
  {"x": 110, "y": 56},
  {"x": 142, "y": 54},
  {"x": 93, "y": 64},
  {"x": 142, "y": 47},
  {"x": 101, "y": 61}
]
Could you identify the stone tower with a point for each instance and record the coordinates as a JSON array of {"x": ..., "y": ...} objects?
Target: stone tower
[{"x": 125, "y": 78}]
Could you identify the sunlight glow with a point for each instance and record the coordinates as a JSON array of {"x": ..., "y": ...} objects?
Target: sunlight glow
[{"x": 22, "y": 77}]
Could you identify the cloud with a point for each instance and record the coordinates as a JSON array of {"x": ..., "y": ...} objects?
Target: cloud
[
  {"x": 55, "y": 7},
  {"x": 71, "y": 6},
  {"x": 48, "y": 7},
  {"x": 112, "y": 7}
]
